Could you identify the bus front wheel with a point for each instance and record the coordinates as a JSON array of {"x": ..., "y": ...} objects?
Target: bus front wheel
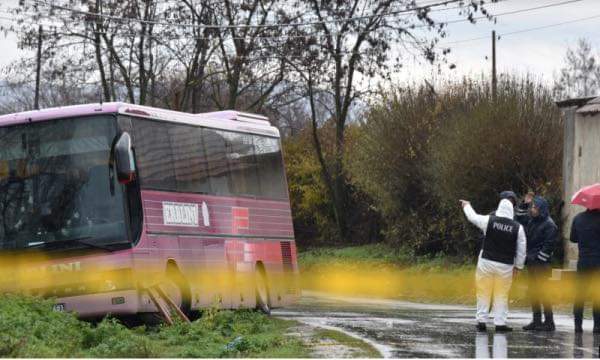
[{"x": 262, "y": 291}]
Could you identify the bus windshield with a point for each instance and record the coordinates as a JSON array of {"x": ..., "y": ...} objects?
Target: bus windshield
[{"x": 56, "y": 186}]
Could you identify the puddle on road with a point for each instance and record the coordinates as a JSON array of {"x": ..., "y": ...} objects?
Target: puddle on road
[{"x": 400, "y": 329}]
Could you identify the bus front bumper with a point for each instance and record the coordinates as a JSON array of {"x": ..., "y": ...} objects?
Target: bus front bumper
[{"x": 122, "y": 302}]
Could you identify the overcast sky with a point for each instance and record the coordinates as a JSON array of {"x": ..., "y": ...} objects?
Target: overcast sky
[{"x": 539, "y": 53}]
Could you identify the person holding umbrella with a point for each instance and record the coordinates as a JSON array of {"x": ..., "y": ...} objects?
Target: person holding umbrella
[{"x": 585, "y": 231}]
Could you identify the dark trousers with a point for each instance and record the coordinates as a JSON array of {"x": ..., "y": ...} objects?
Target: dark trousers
[
  {"x": 538, "y": 296},
  {"x": 586, "y": 288}
]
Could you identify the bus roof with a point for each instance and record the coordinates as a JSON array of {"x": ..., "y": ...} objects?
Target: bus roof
[{"x": 227, "y": 120}]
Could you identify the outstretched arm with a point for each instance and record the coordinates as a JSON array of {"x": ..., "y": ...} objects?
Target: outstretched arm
[{"x": 481, "y": 221}]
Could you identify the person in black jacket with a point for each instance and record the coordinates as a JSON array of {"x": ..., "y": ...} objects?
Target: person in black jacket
[
  {"x": 523, "y": 208},
  {"x": 585, "y": 231},
  {"x": 542, "y": 234}
]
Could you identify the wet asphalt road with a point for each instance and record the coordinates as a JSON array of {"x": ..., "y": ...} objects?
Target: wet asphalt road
[{"x": 403, "y": 329}]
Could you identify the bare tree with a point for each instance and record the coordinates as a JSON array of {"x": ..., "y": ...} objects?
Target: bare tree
[
  {"x": 246, "y": 47},
  {"x": 580, "y": 76},
  {"x": 124, "y": 46},
  {"x": 18, "y": 93},
  {"x": 350, "y": 46}
]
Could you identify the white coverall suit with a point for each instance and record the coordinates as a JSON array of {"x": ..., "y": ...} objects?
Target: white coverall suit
[{"x": 492, "y": 275}]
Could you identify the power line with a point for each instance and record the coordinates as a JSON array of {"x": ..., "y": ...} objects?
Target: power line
[
  {"x": 471, "y": 39},
  {"x": 512, "y": 12},
  {"x": 314, "y": 35},
  {"x": 313, "y": 22},
  {"x": 272, "y": 25},
  {"x": 524, "y": 30}
]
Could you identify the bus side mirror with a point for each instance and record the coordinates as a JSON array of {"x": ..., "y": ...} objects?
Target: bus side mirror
[{"x": 124, "y": 162}]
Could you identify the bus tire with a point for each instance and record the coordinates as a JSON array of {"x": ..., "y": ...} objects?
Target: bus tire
[{"x": 262, "y": 290}]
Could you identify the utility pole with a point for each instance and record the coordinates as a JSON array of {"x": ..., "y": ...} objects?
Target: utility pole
[
  {"x": 36, "y": 102},
  {"x": 494, "y": 79}
]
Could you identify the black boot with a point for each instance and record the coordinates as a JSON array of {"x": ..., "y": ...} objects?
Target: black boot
[
  {"x": 536, "y": 324},
  {"x": 548, "y": 326},
  {"x": 578, "y": 321},
  {"x": 481, "y": 327},
  {"x": 549, "y": 322},
  {"x": 533, "y": 326},
  {"x": 578, "y": 325},
  {"x": 503, "y": 328},
  {"x": 596, "y": 321},
  {"x": 578, "y": 329}
]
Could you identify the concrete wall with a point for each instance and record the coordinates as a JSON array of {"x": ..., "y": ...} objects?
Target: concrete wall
[
  {"x": 568, "y": 160},
  {"x": 581, "y": 166}
]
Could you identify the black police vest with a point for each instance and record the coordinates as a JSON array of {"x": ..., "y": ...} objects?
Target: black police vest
[{"x": 500, "y": 243}]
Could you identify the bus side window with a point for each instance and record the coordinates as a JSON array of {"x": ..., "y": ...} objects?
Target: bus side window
[
  {"x": 190, "y": 162},
  {"x": 242, "y": 164},
  {"x": 270, "y": 167},
  {"x": 218, "y": 168},
  {"x": 154, "y": 155}
]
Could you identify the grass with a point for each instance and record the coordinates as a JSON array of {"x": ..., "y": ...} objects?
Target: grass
[
  {"x": 29, "y": 328},
  {"x": 381, "y": 271},
  {"x": 375, "y": 255},
  {"x": 361, "y": 348}
]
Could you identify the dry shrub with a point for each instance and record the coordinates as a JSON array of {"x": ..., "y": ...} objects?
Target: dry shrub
[{"x": 420, "y": 151}]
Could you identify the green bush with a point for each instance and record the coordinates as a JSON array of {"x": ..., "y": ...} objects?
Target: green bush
[
  {"x": 30, "y": 328},
  {"x": 310, "y": 201},
  {"x": 420, "y": 151},
  {"x": 312, "y": 209},
  {"x": 485, "y": 146}
]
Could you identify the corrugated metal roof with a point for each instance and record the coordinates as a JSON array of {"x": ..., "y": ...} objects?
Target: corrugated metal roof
[
  {"x": 591, "y": 107},
  {"x": 574, "y": 101}
]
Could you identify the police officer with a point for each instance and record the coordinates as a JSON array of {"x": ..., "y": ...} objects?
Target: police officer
[{"x": 503, "y": 251}]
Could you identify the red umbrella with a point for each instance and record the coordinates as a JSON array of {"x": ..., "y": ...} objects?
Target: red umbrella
[{"x": 588, "y": 197}]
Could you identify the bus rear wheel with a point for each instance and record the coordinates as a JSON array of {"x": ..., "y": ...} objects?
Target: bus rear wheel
[{"x": 262, "y": 292}]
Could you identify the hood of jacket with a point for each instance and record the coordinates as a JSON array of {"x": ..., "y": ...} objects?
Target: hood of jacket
[
  {"x": 543, "y": 208},
  {"x": 505, "y": 209}
]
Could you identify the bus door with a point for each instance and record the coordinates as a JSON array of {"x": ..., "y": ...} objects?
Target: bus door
[{"x": 190, "y": 261}]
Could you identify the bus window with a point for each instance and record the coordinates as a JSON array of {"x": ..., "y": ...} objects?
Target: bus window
[
  {"x": 190, "y": 163},
  {"x": 270, "y": 167},
  {"x": 242, "y": 164},
  {"x": 58, "y": 185},
  {"x": 218, "y": 168},
  {"x": 154, "y": 155},
  {"x": 191, "y": 159}
]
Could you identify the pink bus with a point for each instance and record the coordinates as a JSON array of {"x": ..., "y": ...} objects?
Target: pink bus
[{"x": 104, "y": 201}]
